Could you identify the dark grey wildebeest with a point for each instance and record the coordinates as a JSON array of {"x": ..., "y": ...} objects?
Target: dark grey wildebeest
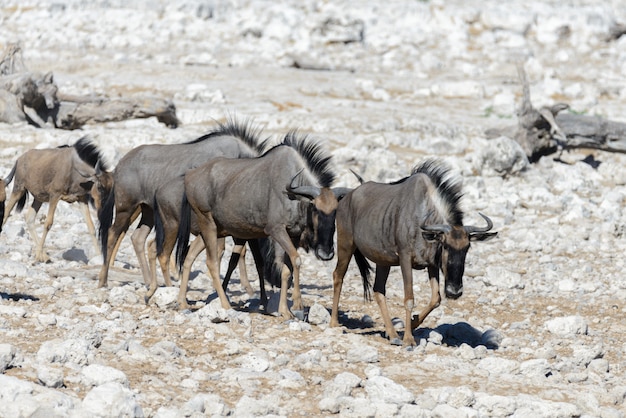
[
  {"x": 415, "y": 223},
  {"x": 285, "y": 194},
  {"x": 76, "y": 173},
  {"x": 144, "y": 169}
]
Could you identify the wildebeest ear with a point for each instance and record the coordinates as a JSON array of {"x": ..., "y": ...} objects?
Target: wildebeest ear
[
  {"x": 87, "y": 185},
  {"x": 482, "y": 236}
]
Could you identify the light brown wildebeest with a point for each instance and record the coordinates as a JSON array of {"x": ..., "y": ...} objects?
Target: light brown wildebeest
[
  {"x": 74, "y": 173},
  {"x": 415, "y": 223}
]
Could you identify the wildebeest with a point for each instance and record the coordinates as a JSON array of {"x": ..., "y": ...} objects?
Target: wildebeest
[
  {"x": 76, "y": 173},
  {"x": 167, "y": 200},
  {"x": 416, "y": 223},
  {"x": 144, "y": 169},
  {"x": 285, "y": 194}
]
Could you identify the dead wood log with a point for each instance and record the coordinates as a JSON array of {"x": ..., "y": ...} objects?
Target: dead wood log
[
  {"x": 546, "y": 131},
  {"x": 85, "y": 110},
  {"x": 34, "y": 98}
]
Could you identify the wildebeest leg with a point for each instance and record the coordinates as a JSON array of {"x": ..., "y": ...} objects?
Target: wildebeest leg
[
  {"x": 139, "y": 238},
  {"x": 232, "y": 264},
  {"x": 31, "y": 215},
  {"x": 279, "y": 234},
  {"x": 165, "y": 259},
  {"x": 243, "y": 271},
  {"x": 409, "y": 298},
  {"x": 152, "y": 256},
  {"x": 16, "y": 195},
  {"x": 380, "y": 284},
  {"x": 260, "y": 268},
  {"x": 345, "y": 249},
  {"x": 435, "y": 297},
  {"x": 116, "y": 248},
  {"x": 196, "y": 247},
  {"x": 208, "y": 230},
  {"x": 121, "y": 236},
  {"x": 168, "y": 230},
  {"x": 237, "y": 259},
  {"x": 84, "y": 207},
  {"x": 123, "y": 218}
]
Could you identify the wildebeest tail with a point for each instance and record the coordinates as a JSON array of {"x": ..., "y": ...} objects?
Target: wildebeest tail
[
  {"x": 184, "y": 230},
  {"x": 272, "y": 270},
  {"x": 365, "y": 269},
  {"x": 158, "y": 227},
  {"x": 22, "y": 202},
  {"x": 3, "y": 198},
  {"x": 8, "y": 179},
  {"x": 3, "y": 194},
  {"x": 105, "y": 219}
]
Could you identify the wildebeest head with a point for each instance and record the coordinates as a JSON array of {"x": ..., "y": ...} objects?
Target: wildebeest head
[
  {"x": 454, "y": 241},
  {"x": 98, "y": 185},
  {"x": 321, "y": 212}
]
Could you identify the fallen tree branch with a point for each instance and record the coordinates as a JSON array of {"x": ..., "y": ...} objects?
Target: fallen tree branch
[
  {"x": 75, "y": 114},
  {"x": 547, "y": 130}
]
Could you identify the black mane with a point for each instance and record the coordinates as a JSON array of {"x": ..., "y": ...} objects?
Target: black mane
[
  {"x": 449, "y": 188},
  {"x": 245, "y": 131},
  {"x": 316, "y": 158},
  {"x": 89, "y": 153}
]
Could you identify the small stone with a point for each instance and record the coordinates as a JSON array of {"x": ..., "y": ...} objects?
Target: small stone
[
  {"x": 362, "y": 354},
  {"x": 567, "y": 326},
  {"x": 318, "y": 315},
  {"x": 51, "y": 377}
]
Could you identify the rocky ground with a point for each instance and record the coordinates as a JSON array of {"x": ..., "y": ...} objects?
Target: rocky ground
[{"x": 540, "y": 329}]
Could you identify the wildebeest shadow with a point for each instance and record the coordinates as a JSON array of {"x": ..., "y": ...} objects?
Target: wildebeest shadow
[
  {"x": 16, "y": 297},
  {"x": 76, "y": 254},
  {"x": 454, "y": 335},
  {"x": 355, "y": 324}
]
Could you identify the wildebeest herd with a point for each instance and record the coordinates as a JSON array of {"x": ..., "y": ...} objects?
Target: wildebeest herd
[{"x": 274, "y": 198}]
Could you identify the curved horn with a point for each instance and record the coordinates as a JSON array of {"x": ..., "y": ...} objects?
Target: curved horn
[
  {"x": 473, "y": 229},
  {"x": 98, "y": 168},
  {"x": 308, "y": 191},
  {"x": 340, "y": 192},
  {"x": 437, "y": 228},
  {"x": 358, "y": 177}
]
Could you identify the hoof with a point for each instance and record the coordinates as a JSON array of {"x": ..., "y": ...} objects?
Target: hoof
[
  {"x": 286, "y": 316},
  {"x": 182, "y": 306},
  {"x": 396, "y": 341},
  {"x": 299, "y": 314}
]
